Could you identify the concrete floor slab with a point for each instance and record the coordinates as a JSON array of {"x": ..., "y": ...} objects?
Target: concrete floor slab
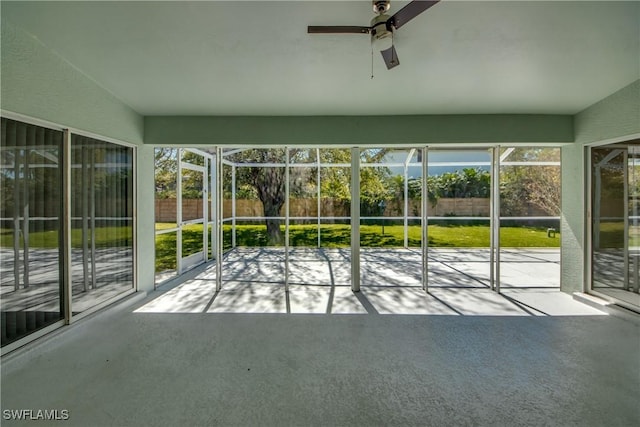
[
  {"x": 190, "y": 297},
  {"x": 477, "y": 302},
  {"x": 319, "y": 282},
  {"x": 406, "y": 301},
  {"x": 305, "y": 299},
  {"x": 345, "y": 301},
  {"x": 129, "y": 368},
  {"x": 311, "y": 272},
  {"x": 530, "y": 255},
  {"x": 530, "y": 274},
  {"x": 459, "y": 255},
  {"x": 548, "y": 303},
  {"x": 391, "y": 354},
  {"x": 459, "y": 274},
  {"x": 391, "y": 274},
  {"x": 241, "y": 297},
  {"x": 309, "y": 299}
]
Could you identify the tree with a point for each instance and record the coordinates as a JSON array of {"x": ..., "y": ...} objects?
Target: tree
[
  {"x": 525, "y": 186},
  {"x": 267, "y": 178},
  {"x": 268, "y": 182},
  {"x": 166, "y": 174},
  {"x": 335, "y": 182},
  {"x": 375, "y": 190},
  {"x": 464, "y": 183},
  {"x": 414, "y": 192},
  {"x": 166, "y": 170}
]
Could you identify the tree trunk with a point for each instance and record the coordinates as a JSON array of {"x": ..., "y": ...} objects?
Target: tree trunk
[
  {"x": 269, "y": 183},
  {"x": 274, "y": 234}
]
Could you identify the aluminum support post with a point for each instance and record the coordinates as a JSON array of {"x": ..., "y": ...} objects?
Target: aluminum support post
[
  {"x": 355, "y": 219},
  {"x": 424, "y": 220}
]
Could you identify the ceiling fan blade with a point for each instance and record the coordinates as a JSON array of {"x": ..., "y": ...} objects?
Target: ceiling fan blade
[
  {"x": 410, "y": 11},
  {"x": 337, "y": 29},
  {"x": 390, "y": 57}
]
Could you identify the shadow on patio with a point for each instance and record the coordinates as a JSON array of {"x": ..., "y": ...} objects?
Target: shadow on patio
[{"x": 319, "y": 283}]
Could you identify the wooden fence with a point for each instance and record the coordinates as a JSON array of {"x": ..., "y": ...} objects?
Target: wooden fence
[{"x": 192, "y": 208}]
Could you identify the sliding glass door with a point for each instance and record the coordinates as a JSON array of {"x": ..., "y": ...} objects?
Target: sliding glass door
[
  {"x": 30, "y": 240},
  {"x": 42, "y": 284},
  {"x": 101, "y": 222},
  {"x": 615, "y": 231}
]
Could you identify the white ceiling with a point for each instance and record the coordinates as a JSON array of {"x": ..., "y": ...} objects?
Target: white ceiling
[{"x": 256, "y": 58}]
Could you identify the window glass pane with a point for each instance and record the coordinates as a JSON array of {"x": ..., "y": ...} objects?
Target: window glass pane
[
  {"x": 30, "y": 241},
  {"x": 102, "y": 221},
  {"x": 614, "y": 200}
]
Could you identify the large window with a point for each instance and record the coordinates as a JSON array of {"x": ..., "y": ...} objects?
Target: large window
[{"x": 40, "y": 280}]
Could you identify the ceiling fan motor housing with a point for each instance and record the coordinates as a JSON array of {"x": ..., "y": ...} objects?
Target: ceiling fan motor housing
[
  {"x": 381, "y": 6},
  {"x": 381, "y": 33},
  {"x": 379, "y": 28}
]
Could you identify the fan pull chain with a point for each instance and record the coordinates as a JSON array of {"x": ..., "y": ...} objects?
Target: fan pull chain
[
  {"x": 371, "y": 61},
  {"x": 393, "y": 51}
]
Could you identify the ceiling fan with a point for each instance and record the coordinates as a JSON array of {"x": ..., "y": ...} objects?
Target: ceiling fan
[{"x": 382, "y": 27}]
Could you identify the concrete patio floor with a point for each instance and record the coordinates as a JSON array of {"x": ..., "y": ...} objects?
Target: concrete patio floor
[
  {"x": 127, "y": 367},
  {"x": 253, "y": 282},
  {"x": 254, "y": 355}
]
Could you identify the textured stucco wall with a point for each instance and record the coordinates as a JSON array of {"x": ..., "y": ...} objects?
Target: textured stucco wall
[
  {"x": 38, "y": 83},
  {"x": 617, "y": 116}
]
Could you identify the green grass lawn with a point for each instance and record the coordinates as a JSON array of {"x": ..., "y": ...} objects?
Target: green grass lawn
[
  {"x": 611, "y": 234},
  {"x": 332, "y": 236},
  {"x": 339, "y": 236},
  {"x": 105, "y": 237}
]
